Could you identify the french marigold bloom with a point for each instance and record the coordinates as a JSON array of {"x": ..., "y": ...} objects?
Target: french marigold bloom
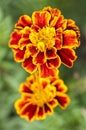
[
  {"x": 39, "y": 96},
  {"x": 45, "y": 40}
]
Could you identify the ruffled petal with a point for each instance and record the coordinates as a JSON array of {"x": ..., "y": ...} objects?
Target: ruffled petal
[
  {"x": 23, "y": 43},
  {"x": 51, "y": 53},
  {"x": 48, "y": 8},
  {"x": 55, "y": 16},
  {"x": 24, "y": 87},
  {"x": 54, "y": 12},
  {"x": 35, "y": 28},
  {"x": 30, "y": 79},
  {"x": 41, "y": 113},
  {"x": 19, "y": 55},
  {"x": 67, "y": 56},
  {"x": 41, "y": 18},
  {"x": 15, "y": 37},
  {"x": 39, "y": 59},
  {"x": 63, "y": 100},
  {"x": 53, "y": 103},
  {"x": 60, "y": 86},
  {"x": 70, "y": 22},
  {"x": 44, "y": 83},
  {"x": 71, "y": 26},
  {"x": 64, "y": 24},
  {"x": 19, "y": 104},
  {"x": 31, "y": 49},
  {"x": 28, "y": 65},
  {"x": 45, "y": 71},
  {"x": 59, "y": 21},
  {"x": 32, "y": 109},
  {"x": 47, "y": 109},
  {"x": 28, "y": 111},
  {"x": 26, "y": 32},
  {"x": 23, "y": 21},
  {"x": 58, "y": 39},
  {"x": 26, "y": 96},
  {"x": 70, "y": 39},
  {"x": 54, "y": 62}
]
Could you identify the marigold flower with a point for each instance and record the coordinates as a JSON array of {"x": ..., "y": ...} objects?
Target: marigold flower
[
  {"x": 39, "y": 96},
  {"x": 45, "y": 40}
]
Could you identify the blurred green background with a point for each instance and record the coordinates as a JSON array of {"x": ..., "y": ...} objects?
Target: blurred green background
[{"x": 11, "y": 73}]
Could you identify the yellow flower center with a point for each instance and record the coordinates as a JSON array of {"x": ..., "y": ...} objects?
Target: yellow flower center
[
  {"x": 43, "y": 39},
  {"x": 42, "y": 95}
]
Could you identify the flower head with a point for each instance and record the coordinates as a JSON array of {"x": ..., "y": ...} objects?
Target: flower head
[
  {"x": 39, "y": 96},
  {"x": 44, "y": 41}
]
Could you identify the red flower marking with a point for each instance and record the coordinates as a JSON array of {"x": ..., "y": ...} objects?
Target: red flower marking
[
  {"x": 68, "y": 56},
  {"x": 28, "y": 65}
]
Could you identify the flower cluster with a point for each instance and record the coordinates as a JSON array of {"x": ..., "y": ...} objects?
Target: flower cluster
[
  {"x": 39, "y": 96},
  {"x": 42, "y": 43},
  {"x": 45, "y": 41}
]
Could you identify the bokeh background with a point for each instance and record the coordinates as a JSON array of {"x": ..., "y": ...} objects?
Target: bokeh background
[{"x": 12, "y": 74}]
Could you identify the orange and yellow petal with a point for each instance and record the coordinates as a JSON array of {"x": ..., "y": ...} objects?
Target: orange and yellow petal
[
  {"x": 35, "y": 28},
  {"x": 26, "y": 96},
  {"x": 53, "y": 11},
  {"x": 44, "y": 83},
  {"x": 23, "y": 21},
  {"x": 28, "y": 65},
  {"x": 70, "y": 22},
  {"x": 71, "y": 26},
  {"x": 31, "y": 49},
  {"x": 15, "y": 37},
  {"x": 40, "y": 113},
  {"x": 59, "y": 22},
  {"x": 55, "y": 14},
  {"x": 26, "y": 32},
  {"x": 48, "y": 109},
  {"x": 45, "y": 71},
  {"x": 27, "y": 110},
  {"x": 53, "y": 103},
  {"x": 54, "y": 63},
  {"x": 67, "y": 56},
  {"x": 30, "y": 111},
  {"x": 19, "y": 104},
  {"x": 39, "y": 59},
  {"x": 63, "y": 100},
  {"x": 58, "y": 39},
  {"x": 19, "y": 55},
  {"x": 60, "y": 86},
  {"x": 24, "y": 87},
  {"x": 48, "y": 8},
  {"x": 30, "y": 79},
  {"x": 70, "y": 39},
  {"x": 23, "y": 43},
  {"x": 51, "y": 53},
  {"x": 41, "y": 18}
]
